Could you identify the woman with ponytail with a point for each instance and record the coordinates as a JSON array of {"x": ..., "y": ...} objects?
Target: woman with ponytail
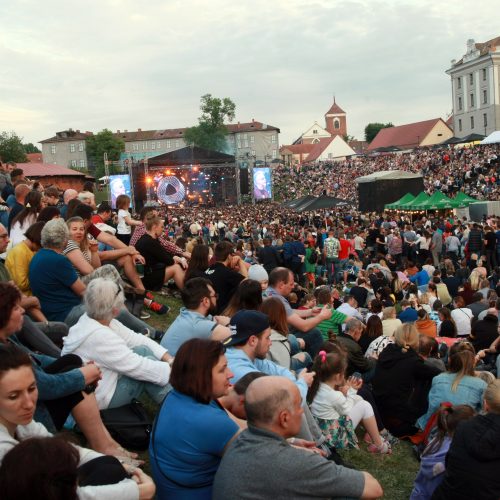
[
  {"x": 336, "y": 406},
  {"x": 400, "y": 380},
  {"x": 458, "y": 385}
]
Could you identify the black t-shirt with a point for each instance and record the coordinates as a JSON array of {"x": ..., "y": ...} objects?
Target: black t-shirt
[
  {"x": 225, "y": 282},
  {"x": 360, "y": 293},
  {"x": 491, "y": 240}
]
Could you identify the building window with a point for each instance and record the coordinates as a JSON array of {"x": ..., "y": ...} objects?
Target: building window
[
  {"x": 252, "y": 140},
  {"x": 81, "y": 146},
  {"x": 53, "y": 149},
  {"x": 73, "y": 163},
  {"x": 177, "y": 143},
  {"x": 485, "y": 97},
  {"x": 471, "y": 78},
  {"x": 471, "y": 122},
  {"x": 72, "y": 148},
  {"x": 459, "y": 82},
  {"x": 459, "y": 103},
  {"x": 472, "y": 100},
  {"x": 245, "y": 140},
  {"x": 459, "y": 125},
  {"x": 169, "y": 144},
  {"x": 484, "y": 74},
  {"x": 336, "y": 124},
  {"x": 330, "y": 156},
  {"x": 315, "y": 131},
  {"x": 485, "y": 120},
  {"x": 144, "y": 145},
  {"x": 273, "y": 139},
  {"x": 153, "y": 145},
  {"x": 82, "y": 163},
  {"x": 238, "y": 143},
  {"x": 231, "y": 138},
  {"x": 274, "y": 153},
  {"x": 158, "y": 145}
]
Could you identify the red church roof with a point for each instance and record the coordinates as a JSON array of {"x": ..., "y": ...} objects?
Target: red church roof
[
  {"x": 335, "y": 109},
  {"x": 403, "y": 136},
  {"x": 46, "y": 170}
]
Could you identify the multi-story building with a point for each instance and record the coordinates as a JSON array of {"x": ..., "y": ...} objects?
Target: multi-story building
[
  {"x": 475, "y": 89},
  {"x": 67, "y": 149},
  {"x": 251, "y": 143}
]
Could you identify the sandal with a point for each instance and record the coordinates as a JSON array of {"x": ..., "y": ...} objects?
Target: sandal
[{"x": 383, "y": 449}]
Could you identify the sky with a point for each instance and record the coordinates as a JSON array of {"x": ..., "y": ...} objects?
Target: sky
[{"x": 123, "y": 64}]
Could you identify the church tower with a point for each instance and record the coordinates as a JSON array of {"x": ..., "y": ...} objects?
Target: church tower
[{"x": 335, "y": 119}]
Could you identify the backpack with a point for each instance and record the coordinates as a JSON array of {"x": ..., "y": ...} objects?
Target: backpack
[
  {"x": 332, "y": 247},
  {"x": 313, "y": 258}
]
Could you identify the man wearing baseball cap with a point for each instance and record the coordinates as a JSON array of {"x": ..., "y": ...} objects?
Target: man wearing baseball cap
[{"x": 248, "y": 346}]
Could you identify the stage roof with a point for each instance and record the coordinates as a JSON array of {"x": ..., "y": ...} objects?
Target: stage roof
[
  {"x": 191, "y": 155},
  {"x": 387, "y": 175}
]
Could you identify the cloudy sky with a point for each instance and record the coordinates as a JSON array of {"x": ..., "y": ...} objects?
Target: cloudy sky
[{"x": 123, "y": 64}]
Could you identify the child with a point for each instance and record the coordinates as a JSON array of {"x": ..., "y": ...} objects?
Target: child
[
  {"x": 432, "y": 464},
  {"x": 125, "y": 221},
  {"x": 329, "y": 328},
  {"x": 336, "y": 406}
]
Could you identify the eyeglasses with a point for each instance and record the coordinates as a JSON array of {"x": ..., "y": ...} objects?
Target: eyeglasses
[
  {"x": 118, "y": 291},
  {"x": 4, "y": 236}
]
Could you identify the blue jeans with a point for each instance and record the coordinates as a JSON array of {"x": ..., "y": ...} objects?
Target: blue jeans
[{"x": 128, "y": 388}]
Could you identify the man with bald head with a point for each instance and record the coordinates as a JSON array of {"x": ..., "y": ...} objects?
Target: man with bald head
[
  {"x": 69, "y": 194},
  {"x": 20, "y": 193},
  {"x": 261, "y": 463}
]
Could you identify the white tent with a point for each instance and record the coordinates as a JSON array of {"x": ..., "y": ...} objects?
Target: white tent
[{"x": 493, "y": 138}]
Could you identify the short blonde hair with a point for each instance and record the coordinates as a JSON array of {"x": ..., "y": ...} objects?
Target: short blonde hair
[
  {"x": 388, "y": 312},
  {"x": 492, "y": 396},
  {"x": 406, "y": 336}
]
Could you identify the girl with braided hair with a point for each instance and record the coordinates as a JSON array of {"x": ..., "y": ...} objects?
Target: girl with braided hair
[{"x": 338, "y": 408}]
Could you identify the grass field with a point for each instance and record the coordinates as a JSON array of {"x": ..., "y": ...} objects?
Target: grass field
[{"x": 395, "y": 472}]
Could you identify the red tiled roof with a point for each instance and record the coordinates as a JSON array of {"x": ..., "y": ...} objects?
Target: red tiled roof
[
  {"x": 46, "y": 170},
  {"x": 67, "y": 135},
  {"x": 35, "y": 157},
  {"x": 298, "y": 148},
  {"x": 249, "y": 127},
  {"x": 335, "y": 109},
  {"x": 319, "y": 147},
  {"x": 406, "y": 136},
  {"x": 484, "y": 48}
]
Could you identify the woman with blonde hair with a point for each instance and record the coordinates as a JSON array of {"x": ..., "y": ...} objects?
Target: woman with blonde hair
[
  {"x": 400, "y": 375},
  {"x": 458, "y": 385}
]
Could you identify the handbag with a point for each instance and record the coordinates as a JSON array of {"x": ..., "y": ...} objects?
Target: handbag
[{"x": 129, "y": 425}]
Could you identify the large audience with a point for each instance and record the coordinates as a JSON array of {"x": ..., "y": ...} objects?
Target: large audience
[
  {"x": 471, "y": 170},
  {"x": 299, "y": 336}
]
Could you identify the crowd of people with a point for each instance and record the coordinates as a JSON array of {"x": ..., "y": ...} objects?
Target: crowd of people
[
  {"x": 471, "y": 170},
  {"x": 300, "y": 336}
]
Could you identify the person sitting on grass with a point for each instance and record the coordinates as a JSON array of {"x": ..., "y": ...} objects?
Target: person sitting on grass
[
  {"x": 330, "y": 328},
  {"x": 337, "y": 407}
]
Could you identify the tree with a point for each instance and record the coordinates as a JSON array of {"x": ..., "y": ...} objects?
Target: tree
[
  {"x": 104, "y": 142},
  {"x": 372, "y": 129},
  {"x": 211, "y": 131},
  {"x": 348, "y": 138},
  {"x": 11, "y": 148},
  {"x": 30, "y": 148}
]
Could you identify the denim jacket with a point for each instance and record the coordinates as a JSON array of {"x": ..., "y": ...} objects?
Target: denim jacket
[{"x": 469, "y": 392}]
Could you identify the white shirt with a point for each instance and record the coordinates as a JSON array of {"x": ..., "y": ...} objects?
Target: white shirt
[
  {"x": 462, "y": 317},
  {"x": 330, "y": 404},
  {"x": 122, "y": 227}
]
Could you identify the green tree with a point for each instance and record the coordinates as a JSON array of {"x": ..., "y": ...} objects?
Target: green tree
[
  {"x": 348, "y": 138},
  {"x": 372, "y": 129},
  {"x": 211, "y": 132},
  {"x": 11, "y": 148},
  {"x": 30, "y": 148},
  {"x": 100, "y": 143}
]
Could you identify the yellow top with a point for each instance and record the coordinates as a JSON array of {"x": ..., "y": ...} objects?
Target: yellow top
[{"x": 18, "y": 264}]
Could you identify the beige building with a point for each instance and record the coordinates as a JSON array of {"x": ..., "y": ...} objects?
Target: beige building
[
  {"x": 253, "y": 142},
  {"x": 475, "y": 89}
]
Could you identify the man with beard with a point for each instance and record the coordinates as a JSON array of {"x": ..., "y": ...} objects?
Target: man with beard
[{"x": 195, "y": 319}]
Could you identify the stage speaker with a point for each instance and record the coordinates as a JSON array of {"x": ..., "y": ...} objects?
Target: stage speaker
[{"x": 244, "y": 183}]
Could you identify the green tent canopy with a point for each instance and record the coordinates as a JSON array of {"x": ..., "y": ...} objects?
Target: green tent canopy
[
  {"x": 415, "y": 204},
  {"x": 438, "y": 201},
  {"x": 463, "y": 200},
  {"x": 395, "y": 204}
]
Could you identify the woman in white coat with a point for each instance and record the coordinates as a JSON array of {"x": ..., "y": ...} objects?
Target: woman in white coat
[{"x": 130, "y": 362}]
